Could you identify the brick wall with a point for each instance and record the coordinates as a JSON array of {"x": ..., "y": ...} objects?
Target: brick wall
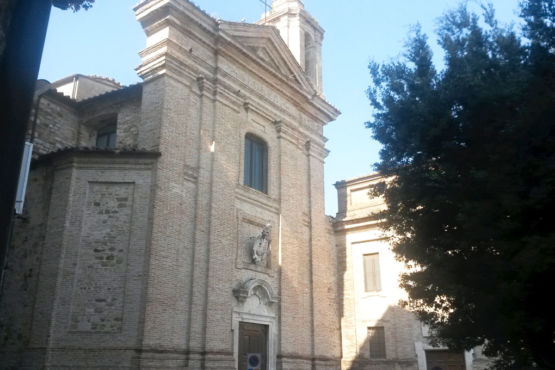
[
  {"x": 76, "y": 272},
  {"x": 57, "y": 124},
  {"x": 150, "y": 282},
  {"x": 23, "y": 268}
]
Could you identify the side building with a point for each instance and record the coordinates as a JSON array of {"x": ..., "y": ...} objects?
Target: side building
[
  {"x": 376, "y": 332},
  {"x": 179, "y": 222}
]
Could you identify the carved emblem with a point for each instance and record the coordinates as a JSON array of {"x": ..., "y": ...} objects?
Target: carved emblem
[{"x": 261, "y": 245}]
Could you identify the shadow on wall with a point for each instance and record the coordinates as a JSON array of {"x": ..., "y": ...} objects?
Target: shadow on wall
[
  {"x": 377, "y": 333},
  {"x": 386, "y": 341}
]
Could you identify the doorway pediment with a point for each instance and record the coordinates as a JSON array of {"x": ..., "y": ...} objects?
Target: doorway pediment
[{"x": 257, "y": 287}]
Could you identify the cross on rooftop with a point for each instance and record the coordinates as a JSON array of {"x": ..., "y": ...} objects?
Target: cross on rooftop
[{"x": 266, "y": 7}]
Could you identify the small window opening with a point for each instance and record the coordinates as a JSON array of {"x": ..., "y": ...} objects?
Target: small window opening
[
  {"x": 376, "y": 341},
  {"x": 106, "y": 137}
]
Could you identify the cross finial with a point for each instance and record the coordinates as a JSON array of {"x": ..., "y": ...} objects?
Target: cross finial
[{"x": 266, "y": 6}]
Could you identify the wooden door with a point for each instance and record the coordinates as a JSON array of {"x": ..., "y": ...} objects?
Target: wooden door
[
  {"x": 253, "y": 338},
  {"x": 444, "y": 360}
]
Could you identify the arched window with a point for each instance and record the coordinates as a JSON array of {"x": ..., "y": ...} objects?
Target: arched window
[
  {"x": 256, "y": 163},
  {"x": 106, "y": 137}
]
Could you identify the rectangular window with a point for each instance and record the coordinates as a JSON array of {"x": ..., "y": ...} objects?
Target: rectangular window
[
  {"x": 256, "y": 163},
  {"x": 376, "y": 341},
  {"x": 372, "y": 281},
  {"x": 106, "y": 137}
]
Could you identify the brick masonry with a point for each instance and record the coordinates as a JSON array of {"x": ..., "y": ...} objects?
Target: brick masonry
[
  {"x": 136, "y": 256},
  {"x": 98, "y": 291}
]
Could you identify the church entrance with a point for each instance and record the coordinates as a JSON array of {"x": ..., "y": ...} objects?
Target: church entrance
[
  {"x": 253, "y": 346},
  {"x": 444, "y": 360}
]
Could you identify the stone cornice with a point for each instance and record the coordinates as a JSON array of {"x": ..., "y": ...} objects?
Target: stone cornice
[
  {"x": 299, "y": 136},
  {"x": 359, "y": 180},
  {"x": 316, "y": 150},
  {"x": 227, "y": 97},
  {"x": 94, "y": 157},
  {"x": 167, "y": 56},
  {"x": 291, "y": 134},
  {"x": 148, "y": 12},
  {"x": 357, "y": 223},
  {"x": 246, "y": 194}
]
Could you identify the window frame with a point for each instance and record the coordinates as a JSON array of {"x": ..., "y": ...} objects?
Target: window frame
[
  {"x": 376, "y": 334},
  {"x": 255, "y": 163},
  {"x": 109, "y": 133},
  {"x": 376, "y": 285}
]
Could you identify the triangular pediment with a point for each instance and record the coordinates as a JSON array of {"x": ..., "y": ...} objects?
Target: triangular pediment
[
  {"x": 266, "y": 45},
  {"x": 265, "y": 56}
]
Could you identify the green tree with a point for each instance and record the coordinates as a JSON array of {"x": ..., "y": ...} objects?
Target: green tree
[
  {"x": 74, "y": 5},
  {"x": 470, "y": 152}
]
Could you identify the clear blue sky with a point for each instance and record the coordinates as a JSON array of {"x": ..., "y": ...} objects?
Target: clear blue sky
[{"x": 106, "y": 39}]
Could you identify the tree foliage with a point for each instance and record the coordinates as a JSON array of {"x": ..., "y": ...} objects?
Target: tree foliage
[
  {"x": 74, "y": 5},
  {"x": 470, "y": 152}
]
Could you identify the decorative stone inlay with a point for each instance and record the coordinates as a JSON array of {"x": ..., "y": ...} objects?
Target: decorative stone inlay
[
  {"x": 99, "y": 287},
  {"x": 258, "y": 287}
]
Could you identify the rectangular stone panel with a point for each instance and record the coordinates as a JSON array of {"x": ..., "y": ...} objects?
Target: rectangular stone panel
[
  {"x": 360, "y": 197},
  {"x": 249, "y": 227},
  {"x": 99, "y": 286}
]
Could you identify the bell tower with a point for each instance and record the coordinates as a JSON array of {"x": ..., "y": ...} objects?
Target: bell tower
[{"x": 301, "y": 33}]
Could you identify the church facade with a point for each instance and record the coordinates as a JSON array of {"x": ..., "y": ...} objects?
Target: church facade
[{"x": 179, "y": 222}]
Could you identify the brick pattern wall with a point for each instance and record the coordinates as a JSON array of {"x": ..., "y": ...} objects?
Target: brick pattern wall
[
  {"x": 166, "y": 300},
  {"x": 124, "y": 106},
  {"x": 98, "y": 292},
  {"x": 62, "y": 123},
  {"x": 22, "y": 270},
  {"x": 57, "y": 125},
  {"x": 187, "y": 109},
  {"x": 80, "y": 259}
]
